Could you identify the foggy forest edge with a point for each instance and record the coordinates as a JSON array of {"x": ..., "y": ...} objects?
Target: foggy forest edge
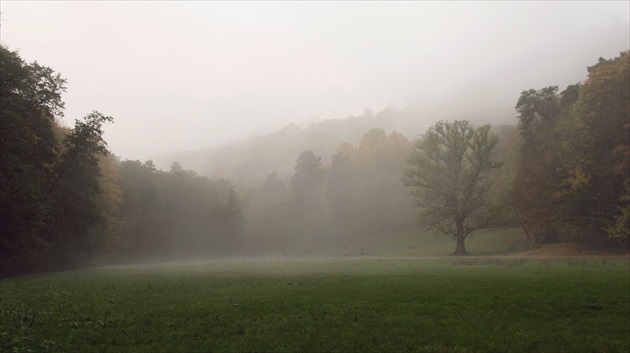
[{"x": 68, "y": 202}]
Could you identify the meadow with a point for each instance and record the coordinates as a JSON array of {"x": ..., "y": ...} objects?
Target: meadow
[{"x": 482, "y": 304}]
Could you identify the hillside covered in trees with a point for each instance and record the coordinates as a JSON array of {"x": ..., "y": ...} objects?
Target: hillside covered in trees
[{"x": 561, "y": 173}]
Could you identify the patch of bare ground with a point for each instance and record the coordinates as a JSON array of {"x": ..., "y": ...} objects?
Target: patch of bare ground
[{"x": 567, "y": 250}]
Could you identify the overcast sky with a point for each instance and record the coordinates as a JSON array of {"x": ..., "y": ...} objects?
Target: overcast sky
[{"x": 188, "y": 75}]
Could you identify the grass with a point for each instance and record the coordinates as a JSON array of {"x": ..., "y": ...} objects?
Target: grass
[
  {"x": 408, "y": 242},
  {"x": 324, "y": 305}
]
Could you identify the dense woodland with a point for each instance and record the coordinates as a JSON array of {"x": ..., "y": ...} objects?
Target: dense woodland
[{"x": 561, "y": 172}]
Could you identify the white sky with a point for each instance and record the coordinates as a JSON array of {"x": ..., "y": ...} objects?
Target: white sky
[{"x": 188, "y": 75}]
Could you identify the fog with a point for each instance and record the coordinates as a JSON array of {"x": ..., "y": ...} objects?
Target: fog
[
  {"x": 194, "y": 75},
  {"x": 314, "y": 175}
]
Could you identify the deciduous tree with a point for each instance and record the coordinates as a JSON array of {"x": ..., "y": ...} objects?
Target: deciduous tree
[
  {"x": 447, "y": 172},
  {"x": 30, "y": 98}
]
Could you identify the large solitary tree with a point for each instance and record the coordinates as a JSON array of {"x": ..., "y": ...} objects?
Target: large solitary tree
[{"x": 447, "y": 171}]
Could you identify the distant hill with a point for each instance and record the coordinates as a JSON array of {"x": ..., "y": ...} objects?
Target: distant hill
[
  {"x": 488, "y": 98},
  {"x": 256, "y": 157}
]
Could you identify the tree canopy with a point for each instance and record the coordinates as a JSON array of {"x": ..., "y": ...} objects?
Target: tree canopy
[
  {"x": 49, "y": 175},
  {"x": 573, "y": 170}
]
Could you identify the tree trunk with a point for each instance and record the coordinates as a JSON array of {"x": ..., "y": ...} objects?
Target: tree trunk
[
  {"x": 460, "y": 249},
  {"x": 520, "y": 221}
]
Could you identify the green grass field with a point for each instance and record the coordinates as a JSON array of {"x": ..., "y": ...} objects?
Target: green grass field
[
  {"x": 408, "y": 242},
  {"x": 324, "y": 305}
]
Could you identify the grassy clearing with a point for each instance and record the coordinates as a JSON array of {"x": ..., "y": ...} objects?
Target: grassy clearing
[
  {"x": 325, "y": 305},
  {"x": 408, "y": 242}
]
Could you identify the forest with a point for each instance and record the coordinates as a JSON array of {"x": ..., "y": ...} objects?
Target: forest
[{"x": 560, "y": 172}]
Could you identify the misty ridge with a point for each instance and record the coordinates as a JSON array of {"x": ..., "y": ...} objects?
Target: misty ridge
[{"x": 487, "y": 99}]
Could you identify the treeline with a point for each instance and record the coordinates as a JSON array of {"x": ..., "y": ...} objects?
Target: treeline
[
  {"x": 176, "y": 214},
  {"x": 358, "y": 194},
  {"x": 572, "y": 182},
  {"x": 66, "y": 202}
]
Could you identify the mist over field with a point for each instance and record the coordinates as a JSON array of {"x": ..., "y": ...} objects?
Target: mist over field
[{"x": 314, "y": 176}]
